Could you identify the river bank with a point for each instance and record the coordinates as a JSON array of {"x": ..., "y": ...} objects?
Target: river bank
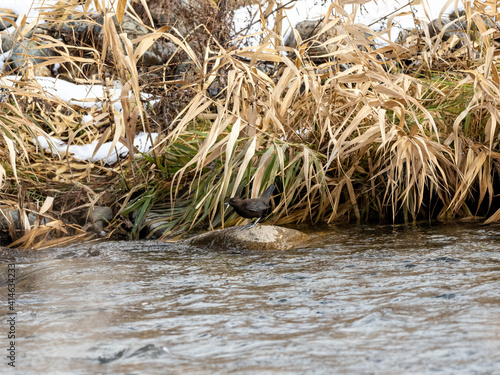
[{"x": 348, "y": 129}]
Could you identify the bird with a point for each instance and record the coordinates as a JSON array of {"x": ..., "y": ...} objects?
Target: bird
[{"x": 252, "y": 208}]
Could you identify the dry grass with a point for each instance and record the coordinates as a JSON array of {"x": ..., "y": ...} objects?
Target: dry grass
[{"x": 378, "y": 140}]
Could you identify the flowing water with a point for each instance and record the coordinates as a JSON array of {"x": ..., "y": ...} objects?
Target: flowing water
[{"x": 356, "y": 300}]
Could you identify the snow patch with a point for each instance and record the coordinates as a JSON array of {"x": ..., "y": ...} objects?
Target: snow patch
[
  {"x": 84, "y": 96},
  {"x": 143, "y": 142}
]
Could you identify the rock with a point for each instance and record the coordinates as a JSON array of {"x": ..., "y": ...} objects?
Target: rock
[
  {"x": 78, "y": 29},
  {"x": 158, "y": 53},
  {"x": 185, "y": 71},
  {"x": 7, "y": 18},
  {"x": 405, "y": 36},
  {"x": 155, "y": 228},
  {"x": 154, "y": 222},
  {"x": 458, "y": 29},
  {"x": 306, "y": 30},
  {"x": 183, "y": 15},
  {"x": 42, "y": 71},
  {"x": 29, "y": 50},
  {"x": 260, "y": 237},
  {"x": 102, "y": 213},
  {"x": 317, "y": 48},
  {"x": 7, "y": 215},
  {"x": 6, "y": 42},
  {"x": 101, "y": 216}
]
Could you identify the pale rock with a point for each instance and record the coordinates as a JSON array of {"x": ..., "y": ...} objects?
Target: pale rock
[{"x": 260, "y": 237}]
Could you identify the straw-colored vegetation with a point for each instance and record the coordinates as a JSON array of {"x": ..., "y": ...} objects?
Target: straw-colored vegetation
[{"x": 400, "y": 133}]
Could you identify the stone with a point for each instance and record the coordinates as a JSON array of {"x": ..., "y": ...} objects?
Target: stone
[
  {"x": 306, "y": 30},
  {"x": 42, "y": 71},
  {"x": 154, "y": 222},
  {"x": 158, "y": 53},
  {"x": 79, "y": 28},
  {"x": 453, "y": 27},
  {"x": 101, "y": 216},
  {"x": 6, "y": 42},
  {"x": 183, "y": 15},
  {"x": 29, "y": 50},
  {"x": 7, "y": 18},
  {"x": 155, "y": 228},
  {"x": 317, "y": 46},
  {"x": 102, "y": 213},
  {"x": 457, "y": 29},
  {"x": 260, "y": 237},
  {"x": 7, "y": 215},
  {"x": 90, "y": 32}
]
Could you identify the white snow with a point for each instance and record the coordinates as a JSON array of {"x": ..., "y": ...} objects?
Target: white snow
[
  {"x": 32, "y": 8},
  {"x": 143, "y": 142},
  {"x": 84, "y": 96}
]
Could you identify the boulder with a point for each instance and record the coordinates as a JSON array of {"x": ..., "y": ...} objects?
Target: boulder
[
  {"x": 308, "y": 29},
  {"x": 79, "y": 29},
  {"x": 333, "y": 39},
  {"x": 158, "y": 53},
  {"x": 260, "y": 237},
  {"x": 452, "y": 26},
  {"x": 6, "y": 42},
  {"x": 29, "y": 51},
  {"x": 183, "y": 15},
  {"x": 7, "y": 18},
  {"x": 458, "y": 29},
  {"x": 12, "y": 217},
  {"x": 101, "y": 216}
]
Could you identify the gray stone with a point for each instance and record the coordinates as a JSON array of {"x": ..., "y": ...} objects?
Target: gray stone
[
  {"x": 7, "y": 215},
  {"x": 155, "y": 228},
  {"x": 79, "y": 28},
  {"x": 102, "y": 213},
  {"x": 155, "y": 223},
  {"x": 458, "y": 28},
  {"x": 83, "y": 30},
  {"x": 158, "y": 53},
  {"x": 173, "y": 13},
  {"x": 6, "y": 42},
  {"x": 306, "y": 30},
  {"x": 185, "y": 71},
  {"x": 317, "y": 46},
  {"x": 452, "y": 26},
  {"x": 29, "y": 50},
  {"x": 7, "y": 18},
  {"x": 131, "y": 27},
  {"x": 101, "y": 216},
  {"x": 260, "y": 237}
]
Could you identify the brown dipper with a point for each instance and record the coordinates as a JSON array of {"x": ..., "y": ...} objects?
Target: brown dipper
[{"x": 251, "y": 208}]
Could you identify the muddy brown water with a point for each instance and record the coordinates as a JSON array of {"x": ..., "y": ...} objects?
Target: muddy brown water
[{"x": 358, "y": 300}]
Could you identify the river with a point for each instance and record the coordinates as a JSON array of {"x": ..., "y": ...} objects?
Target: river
[{"x": 355, "y": 300}]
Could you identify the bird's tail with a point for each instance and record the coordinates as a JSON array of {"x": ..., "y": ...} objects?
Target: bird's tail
[{"x": 267, "y": 194}]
